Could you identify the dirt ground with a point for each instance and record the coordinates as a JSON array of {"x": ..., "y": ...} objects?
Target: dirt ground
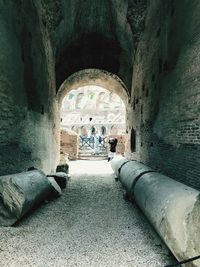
[{"x": 89, "y": 225}]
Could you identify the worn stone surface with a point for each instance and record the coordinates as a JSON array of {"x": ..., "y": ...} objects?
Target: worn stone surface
[
  {"x": 165, "y": 91},
  {"x": 136, "y": 15},
  {"x": 116, "y": 164},
  {"x": 69, "y": 144},
  {"x": 94, "y": 34},
  {"x": 27, "y": 84},
  {"x": 63, "y": 168},
  {"x": 61, "y": 178},
  {"x": 174, "y": 210},
  {"x": 129, "y": 174},
  {"x": 55, "y": 188},
  {"x": 172, "y": 207},
  {"x": 96, "y": 77},
  {"x": 21, "y": 192}
]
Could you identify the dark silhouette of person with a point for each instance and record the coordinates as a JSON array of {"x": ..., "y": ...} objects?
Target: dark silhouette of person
[{"x": 113, "y": 143}]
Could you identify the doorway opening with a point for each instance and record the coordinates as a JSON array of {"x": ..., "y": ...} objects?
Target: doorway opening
[
  {"x": 90, "y": 115},
  {"x": 84, "y": 100}
]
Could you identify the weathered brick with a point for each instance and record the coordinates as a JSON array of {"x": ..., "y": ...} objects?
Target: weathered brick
[{"x": 172, "y": 107}]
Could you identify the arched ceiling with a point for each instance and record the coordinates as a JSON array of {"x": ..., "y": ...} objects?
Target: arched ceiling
[
  {"x": 94, "y": 34},
  {"x": 91, "y": 50},
  {"x": 90, "y": 34},
  {"x": 96, "y": 77}
]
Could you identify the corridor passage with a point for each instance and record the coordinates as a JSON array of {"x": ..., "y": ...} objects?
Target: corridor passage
[{"x": 89, "y": 225}]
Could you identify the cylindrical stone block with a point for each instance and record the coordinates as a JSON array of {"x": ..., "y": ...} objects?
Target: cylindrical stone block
[
  {"x": 130, "y": 173},
  {"x": 116, "y": 164},
  {"x": 174, "y": 210},
  {"x": 19, "y": 193}
]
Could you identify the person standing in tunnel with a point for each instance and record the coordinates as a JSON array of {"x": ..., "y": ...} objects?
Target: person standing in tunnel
[{"x": 113, "y": 143}]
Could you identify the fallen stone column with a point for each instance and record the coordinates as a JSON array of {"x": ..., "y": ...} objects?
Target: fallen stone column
[
  {"x": 19, "y": 193},
  {"x": 174, "y": 210},
  {"x": 116, "y": 164},
  {"x": 172, "y": 207},
  {"x": 129, "y": 172}
]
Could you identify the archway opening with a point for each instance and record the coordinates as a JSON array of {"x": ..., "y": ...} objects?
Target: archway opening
[
  {"x": 90, "y": 115},
  {"x": 93, "y": 107}
]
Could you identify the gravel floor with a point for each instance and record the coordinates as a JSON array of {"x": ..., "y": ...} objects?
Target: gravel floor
[{"x": 90, "y": 225}]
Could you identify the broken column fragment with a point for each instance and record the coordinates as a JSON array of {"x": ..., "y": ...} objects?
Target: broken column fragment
[
  {"x": 174, "y": 210},
  {"x": 116, "y": 164},
  {"x": 55, "y": 190},
  {"x": 172, "y": 207},
  {"x": 130, "y": 173},
  {"x": 21, "y": 192},
  {"x": 62, "y": 168},
  {"x": 61, "y": 178}
]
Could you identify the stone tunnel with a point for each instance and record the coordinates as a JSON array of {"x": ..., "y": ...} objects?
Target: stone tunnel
[{"x": 147, "y": 52}]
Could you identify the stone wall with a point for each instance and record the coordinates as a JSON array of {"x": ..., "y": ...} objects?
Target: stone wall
[
  {"x": 26, "y": 88},
  {"x": 69, "y": 144},
  {"x": 43, "y": 42},
  {"x": 165, "y": 91},
  {"x": 90, "y": 34}
]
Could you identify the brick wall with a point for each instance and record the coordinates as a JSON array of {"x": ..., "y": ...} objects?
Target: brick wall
[
  {"x": 69, "y": 144},
  {"x": 166, "y": 91}
]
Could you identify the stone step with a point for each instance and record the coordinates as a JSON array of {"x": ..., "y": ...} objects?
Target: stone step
[
  {"x": 87, "y": 155},
  {"x": 92, "y": 158},
  {"x": 91, "y": 152},
  {"x": 93, "y": 155}
]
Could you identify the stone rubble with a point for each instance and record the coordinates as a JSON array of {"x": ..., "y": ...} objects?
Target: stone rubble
[
  {"x": 55, "y": 188},
  {"x": 61, "y": 178},
  {"x": 20, "y": 193}
]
